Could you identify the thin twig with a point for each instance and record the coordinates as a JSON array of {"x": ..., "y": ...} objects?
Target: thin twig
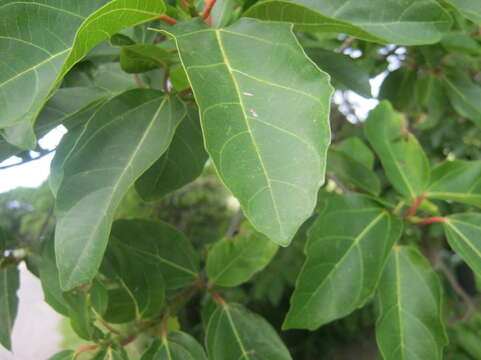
[
  {"x": 458, "y": 289},
  {"x": 431, "y": 220},
  {"x": 416, "y": 203},
  {"x": 167, "y": 19},
  {"x": 346, "y": 44},
  {"x": 43, "y": 154},
  {"x": 138, "y": 82},
  {"x": 166, "y": 80},
  {"x": 208, "y": 8},
  {"x": 108, "y": 327}
]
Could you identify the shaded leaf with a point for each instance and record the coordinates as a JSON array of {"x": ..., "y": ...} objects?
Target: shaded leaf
[
  {"x": 177, "y": 346},
  {"x": 63, "y": 355},
  {"x": 463, "y": 232},
  {"x": 410, "y": 322},
  {"x": 80, "y": 313},
  {"x": 464, "y": 96},
  {"x": 469, "y": 8},
  {"x": 143, "y": 57},
  {"x": 398, "y": 87},
  {"x": 342, "y": 69},
  {"x": 402, "y": 157},
  {"x": 247, "y": 117},
  {"x": 233, "y": 261},
  {"x": 356, "y": 149},
  {"x": 234, "y": 332},
  {"x": 347, "y": 248},
  {"x": 40, "y": 52},
  {"x": 119, "y": 142},
  {"x": 9, "y": 283},
  {"x": 222, "y": 13},
  {"x": 113, "y": 352},
  {"x": 351, "y": 172},
  {"x": 182, "y": 163},
  {"x": 410, "y": 22},
  {"x": 159, "y": 244},
  {"x": 456, "y": 180}
]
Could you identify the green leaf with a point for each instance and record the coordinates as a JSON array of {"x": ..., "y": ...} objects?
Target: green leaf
[
  {"x": 9, "y": 283},
  {"x": 347, "y": 248},
  {"x": 41, "y": 47},
  {"x": 81, "y": 314},
  {"x": 141, "y": 282},
  {"x": 356, "y": 149},
  {"x": 272, "y": 164},
  {"x": 403, "y": 159},
  {"x": 159, "y": 244},
  {"x": 140, "y": 58},
  {"x": 113, "y": 352},
  {"x": 460, "y": 41},
  {"x": 410, "y": 322},
  {"x": 343, "y": 69},
  {"x": 3, "y": 241},
  {"x": 63, "y": 355},
  {"x": 119, "y": 142},
  {"x": 177, "y": 346},
  {"x": 469, "y": 8},
  {"x": 456, "y": 180},
  {"x": 182, "y": 163},
  {"x": 222, "y": 13},
  {"x": 233, "y": 261},
  {"x": 352, "y": 172},
  {"x": 234, "y": 332},
  {"x": 463, "y": 232},
  {"x": 464, "y": 96},
  {"x": 398, "y": 87},
  {"x": 410, "y": 22}
]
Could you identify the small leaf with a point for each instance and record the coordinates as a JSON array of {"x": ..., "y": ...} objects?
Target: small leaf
[
  {"x": 113, "y": 352},
  {"x": 272, "y": 164},
  {"x": 464, "y": 96},
  {"x": 410, "y": 322},
  {"x": 81, "y": 314},
  {"x": 410, "y": 22},
  {"x": 456, "y": 180},
  {"x": 122, "y": 140},
  {"x": 356, "y": 149},
  {"x": 162, "y": 245},
  {"x": 63, "y": 355},
  {"x": 233, "y": 261},
  {"x": 469, "y": 8},
  {"x": 352, "y": 173},
  {"x": 140, "y": 58},
  {"x": 347, "y": 248},
  {"x": 398, "y": 87},
  {"x": 9, "y": 283},
  {"x": 463, "y": 232},
  {"x": 342, "y": 69},
  {"x": 182, "y": 163},
  {"x": 403, "y": 159},
  {"x": 49, "y": 49},
  {"x": 234, "y": 332},
  {"x": 177, "y": 346}
]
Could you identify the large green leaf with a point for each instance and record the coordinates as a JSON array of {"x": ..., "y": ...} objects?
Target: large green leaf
[
  {"x": 403, "y": 159},
  {"x": 234, "y": 332},
  {"x": 410, "y": 322},
  {"x": 41, "y": 40},
  {"x": 232, "y": 261},
  {"x": 456, "y": 180},
  {"x": 464, "y": 236},
  {"x": 120, "y": 141},
  {"x": 352, "y": 172},
  {"x": 177, "y": 346},
  {"x": 464, "y": 95},
  {"x": 409, "y": 22},
  {"x": 182, "y": 163},
  {"x": 9, "y": 283},
  {"x": 162, "y": 245},
  {"x": 342, "y": 69},
  {"x": 469, "y": 8},
  {"x": 347, "y": 248},
  {"x": 265, "y": 123}
]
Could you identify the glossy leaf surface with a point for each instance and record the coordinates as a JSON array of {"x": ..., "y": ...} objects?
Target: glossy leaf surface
[
  {"x": 346, "y": 251},
  {"x": 410, "y": 22},
  {"x": 402, "y": 157},
  {"x": 43, "y": 40},
  {"x": 457, "y": 180},
  {"x": 463, "y": 232},
  {"x": 234, "y": 332},
  {"x": 232, "y": 261},
  {"x": 272, "y": 164},
  {"x": 139, "y": 125},
  {"x": 409, "y": 325}
]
